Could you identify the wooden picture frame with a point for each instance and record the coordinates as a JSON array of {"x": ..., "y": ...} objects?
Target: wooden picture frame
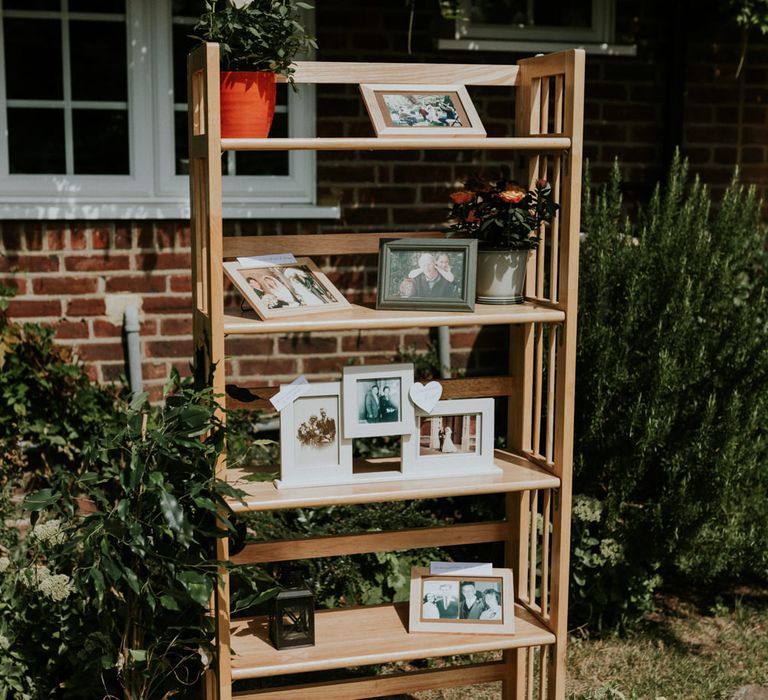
[
  {"x": 312, "y": 451},
  {"x": 441, "y": 603},
  {"x": 430, "y": 274},
  {"x": 369, "y": 394},
  {"x": 467, "y": 448},
  {"x": 421, "y": 110},
  {"x": 286, "y": 289}
]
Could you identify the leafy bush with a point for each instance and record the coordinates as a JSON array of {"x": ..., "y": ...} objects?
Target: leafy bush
[
  {"x": 672, "y": 396},
  {"x": 49, "y": 408}
]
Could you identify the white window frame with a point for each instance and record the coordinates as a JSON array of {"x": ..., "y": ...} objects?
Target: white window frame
[
  {"x": 153, "y": 190},
  {"x": 598, "y": 38}
]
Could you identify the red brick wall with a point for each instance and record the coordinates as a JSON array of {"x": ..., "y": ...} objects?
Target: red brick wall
[{"x": 680, "y": 89}]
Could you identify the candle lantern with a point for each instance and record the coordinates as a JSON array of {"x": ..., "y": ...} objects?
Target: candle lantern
[{"x": 292, "y": 615}]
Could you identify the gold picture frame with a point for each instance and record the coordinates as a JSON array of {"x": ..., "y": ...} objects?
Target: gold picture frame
[{"x": 421, "y": 110}]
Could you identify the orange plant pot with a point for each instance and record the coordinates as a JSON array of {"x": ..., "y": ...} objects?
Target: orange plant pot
[{"x": 247, "y": 104}]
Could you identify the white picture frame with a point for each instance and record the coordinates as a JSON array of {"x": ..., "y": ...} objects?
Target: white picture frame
[
  {"x": 469, "y": 424},
  {"x": 305, "y": 460},
  {"x": 361, "y": 385},
  {"x": 494, "y": 612}
]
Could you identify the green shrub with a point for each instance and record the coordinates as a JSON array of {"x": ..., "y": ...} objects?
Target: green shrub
[{"x": 672, "y": 393}]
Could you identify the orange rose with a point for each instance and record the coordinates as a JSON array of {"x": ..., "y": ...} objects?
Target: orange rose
[
  {"x": 462, "y": 197},
  {"x": 512, "y": 195}
]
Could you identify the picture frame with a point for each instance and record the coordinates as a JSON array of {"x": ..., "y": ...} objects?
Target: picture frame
[
  {"x": 421, "y": 110},
  {"x": 313, "y": 450},
  {"x": 441, "y": 603},
  {"x": 428, "y": 274},
  {"x": 286, "y": 289},
  {"x": 455, "y": 438},
  {"x": 376, "y": 401}
]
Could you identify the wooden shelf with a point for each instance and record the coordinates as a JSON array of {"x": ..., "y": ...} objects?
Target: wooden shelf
[
  {"x": 517, "y": 474},
  {"x": 393, "y": 143},
  {"x": 363, "y": 636},
  {"x": 367, "y": 318}
]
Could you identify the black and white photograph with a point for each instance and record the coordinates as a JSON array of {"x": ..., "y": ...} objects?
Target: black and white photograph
[
  {"x": 313, "y": 450},
  {"x": 316, "y": 421},
  {"x": 428, "y": 110},
  {"x": 440, "y": 600},
  {"x": 287, "y": 289},
  {"x": 443, "y": 603},
  {"x": 378, "y": 400},
  {"x": 481, "y": 600},
  {"x": 445, "y": 435},
  {"x": 427, "y": 274}
]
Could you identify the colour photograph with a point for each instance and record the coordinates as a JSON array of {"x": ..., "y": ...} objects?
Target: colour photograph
[{"x": 414, "y": 109}]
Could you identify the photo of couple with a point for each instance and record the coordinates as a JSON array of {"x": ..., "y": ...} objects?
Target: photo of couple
[
  {"x": 426, "y": 275},
  {"x": 315, "y": 425},
  {"x": 421, "y": 110},
  {"x": 287, "y": 287},
  {"x": 318, "y": 431},
  {"x": 462, "y": 600},
  {"x": 439, "y": 435},
  {"x": 378, "y": 400}
]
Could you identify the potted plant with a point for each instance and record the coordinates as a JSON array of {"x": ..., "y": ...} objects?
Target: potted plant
[
  {"x": 505, "y": 219},
  {"x": 258, "y": 39}
]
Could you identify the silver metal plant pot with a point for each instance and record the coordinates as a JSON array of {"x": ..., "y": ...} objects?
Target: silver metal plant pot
[{"x": 501, "y": 276}]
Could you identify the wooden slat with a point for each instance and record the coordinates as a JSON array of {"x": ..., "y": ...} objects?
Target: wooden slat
[
  {"x": 336, "y": 72},
  {"x": 257, "y": 397},
  {"x": 534, "y": 539},
  {"x": 364, "y": 636},
  {"x": 316, "y": 244},
  {"x": 364, "y": 543},
  {"x": 398, "y": 143},
  {"x": 374, "y": 687},
  {"x": 517, "y": 474},
  {"x": 367, "y": 318},
  {"x": 546, "y": 517},
  {"x": 545, "y": 66}
]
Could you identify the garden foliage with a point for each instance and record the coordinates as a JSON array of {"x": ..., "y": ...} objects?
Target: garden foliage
[{"x": 672, "y": 393}]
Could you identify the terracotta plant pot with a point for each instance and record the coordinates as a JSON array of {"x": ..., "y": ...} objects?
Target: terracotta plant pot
[
  {"x": 247, "y": 104},
  {"x": 501, "y": 276}
]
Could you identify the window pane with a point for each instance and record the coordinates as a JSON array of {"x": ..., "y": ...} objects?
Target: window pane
[
  {"x": 36, "y": 141},
  {"x": 182, "y": 149},
  {"x": 265, "y": 162},
  {"x": 188, "y": 8},
  {"x": 101, "y": 141},
  {"x": 32, "y": 4},
  {"x": 98, "y": 56},
  {"x": 32, "y": 59},
  {"x": 104, "y": 6},
  {"x": 574, "y": 13},
  {"x": 500, "y": 11},
  {"x": 182, "y": 45}
]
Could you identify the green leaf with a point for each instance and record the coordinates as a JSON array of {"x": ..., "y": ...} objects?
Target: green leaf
[
  {"x": 174, "y": 516},
  {"x": 138, "y": 654},
  {"x": 169, "y": 602},
  {"x": 41, "y": 499},
  {"x": 197, "y": 586}
]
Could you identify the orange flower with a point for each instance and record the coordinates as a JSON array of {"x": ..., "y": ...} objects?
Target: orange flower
[
  {"x": 462, "y": 197},
  {"x": 512, "y": 196},
  {"x": 471, "y": 217}
]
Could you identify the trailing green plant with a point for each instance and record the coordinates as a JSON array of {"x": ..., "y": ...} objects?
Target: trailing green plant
[
  {"x": 672, "y": 395},
  {"x": 256, "y": 35}
]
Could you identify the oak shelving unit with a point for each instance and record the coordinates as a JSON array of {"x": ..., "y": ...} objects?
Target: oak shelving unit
[{"x": 539, "y": 389}]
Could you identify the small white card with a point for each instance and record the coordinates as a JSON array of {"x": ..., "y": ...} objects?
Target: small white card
[
  {"x": 290, "y": 392},
  {"x": 459, "y": 568},
  {"x": 267, "y": 260}
]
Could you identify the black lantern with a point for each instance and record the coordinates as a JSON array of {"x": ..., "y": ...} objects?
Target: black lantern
[{"x": 292, "y": 616}]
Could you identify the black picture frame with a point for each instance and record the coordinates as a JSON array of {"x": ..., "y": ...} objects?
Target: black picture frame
[{"x": 392, "y": 252}]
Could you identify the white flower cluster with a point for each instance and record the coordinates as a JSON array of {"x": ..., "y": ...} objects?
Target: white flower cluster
[
  {"x": 50, "y": 532},
  {"x": 611, "y": 550},
  {"x": 5, "y": 562},
  {"x": 56, "y": 587},
  {"x": 587, "y": 509},
  {"x": 5, "y": 643}
]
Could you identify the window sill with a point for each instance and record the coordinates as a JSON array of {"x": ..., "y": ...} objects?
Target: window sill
[
  {"x": 519, "y": 46},
  {"x": 45, "y": 210}
]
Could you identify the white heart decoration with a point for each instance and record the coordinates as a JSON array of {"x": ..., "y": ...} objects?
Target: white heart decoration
[{"x": 426, "y": 397}]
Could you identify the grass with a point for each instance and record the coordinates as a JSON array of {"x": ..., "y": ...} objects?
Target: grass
[{"x": 692, "y": 648}]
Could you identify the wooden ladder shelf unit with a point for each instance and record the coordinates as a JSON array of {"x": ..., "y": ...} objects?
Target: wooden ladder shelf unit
[{"x": 539, "y": 389}]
